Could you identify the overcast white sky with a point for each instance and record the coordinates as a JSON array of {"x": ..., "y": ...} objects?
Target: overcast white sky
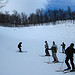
[{"x": 29, "y": 6}]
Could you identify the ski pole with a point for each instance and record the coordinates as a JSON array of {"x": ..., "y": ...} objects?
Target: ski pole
[
  {"x": 59, "y": 49},
  {"x": 49, "y": 58},
  {"x": 62, "y": 63}
]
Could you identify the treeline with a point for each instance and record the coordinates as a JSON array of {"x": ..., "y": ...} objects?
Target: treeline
[{"x": 41, "y": 16}]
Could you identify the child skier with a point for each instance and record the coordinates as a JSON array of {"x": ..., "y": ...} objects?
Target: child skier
[
  {"x": 63, "y": 47},
  {"x": 46, "y": 49}
]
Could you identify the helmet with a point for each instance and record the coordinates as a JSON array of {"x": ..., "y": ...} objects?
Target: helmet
[
  {"x": 20, "y": 42},
  {"x": 72, "y": 44},
  {"x": 45, "y": 41},
  {"x": 53, "y": 42}
]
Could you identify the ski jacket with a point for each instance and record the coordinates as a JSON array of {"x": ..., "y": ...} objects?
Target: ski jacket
[
  {"x": 69, "y": 52},
  {"x": 63, "y": 46},
  {"x": 54, "y": 48},
  {"x": 46, "y": 46},
  {"x": 19, "y": 45}
]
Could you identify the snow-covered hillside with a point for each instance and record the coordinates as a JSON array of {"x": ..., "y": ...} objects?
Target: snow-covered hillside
[{"x": 31, "y": 63}]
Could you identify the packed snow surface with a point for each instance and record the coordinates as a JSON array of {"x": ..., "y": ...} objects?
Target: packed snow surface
[{"x": 30, "y": 61}]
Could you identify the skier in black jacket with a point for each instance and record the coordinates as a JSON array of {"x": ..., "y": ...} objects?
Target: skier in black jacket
[
  {"x": 19, "y": 46},
  {"x": 63, "y": 47},
  {"x": 69, "y": 56},
  {"x": 46, "y": 49}
]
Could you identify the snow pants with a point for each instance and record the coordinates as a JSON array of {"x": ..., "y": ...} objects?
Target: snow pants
[
  {"x": 19, "y": 49},
  {"x": 54, "y": 57},
  {"x": 47, "y": 52},
  {"x": 71, "y": 61},
  {"x": 63, "y": 50}
]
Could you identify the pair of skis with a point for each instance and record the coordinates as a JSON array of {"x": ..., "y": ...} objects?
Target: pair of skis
[
  {"x": 53, "y": 62},
  {"x": 65, "y": 71}
]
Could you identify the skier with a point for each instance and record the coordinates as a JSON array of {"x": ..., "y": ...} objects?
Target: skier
[
  {"x": 63, "y": 47},
  {"x": 46, "y": 49},
  {"x": 19, "y": 46},
  {"x": 54, "y": 51},
  {"x": 69, "y": 56}
]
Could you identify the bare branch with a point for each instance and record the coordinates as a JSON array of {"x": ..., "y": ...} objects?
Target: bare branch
[{"x": 3, "y": 3}]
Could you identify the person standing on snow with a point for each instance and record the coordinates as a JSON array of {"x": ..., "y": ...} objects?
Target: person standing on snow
[
  {"x": 54, "y": 51},
  {"x": 46, "y": 49},
  {"x": 19, "y": 46},
  {"x": 69, "y": 56},
  {"x": 63, "y": 47}
]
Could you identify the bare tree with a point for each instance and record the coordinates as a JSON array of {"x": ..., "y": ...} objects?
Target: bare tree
[
  {"x": 23, "y": 18},
  {"x": 3, "y": 3}
]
